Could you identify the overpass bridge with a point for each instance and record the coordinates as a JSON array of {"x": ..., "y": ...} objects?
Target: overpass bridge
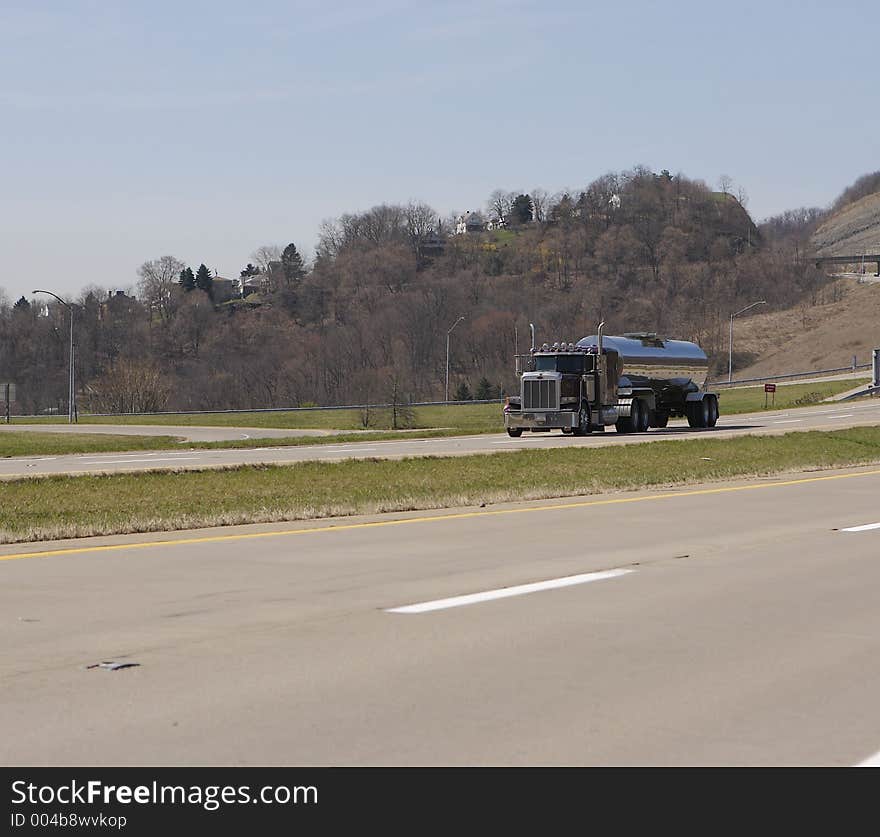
[{"x": 861, "y": 258}]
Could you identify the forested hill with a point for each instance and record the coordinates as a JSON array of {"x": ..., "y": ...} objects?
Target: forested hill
[{"x": 643, "y": 251}]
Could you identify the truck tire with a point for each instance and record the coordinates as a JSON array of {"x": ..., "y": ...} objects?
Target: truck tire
[
  {"x": 713, "y": 411},
  {"x": 516, "y": 432},
  {"x": 699, "y": 413},
  {"x": 660, "y": 419},
  {"x": 583, "y": 425},
  {"x": 635, "y": 423},
  {"x": 644, "y": 418}
]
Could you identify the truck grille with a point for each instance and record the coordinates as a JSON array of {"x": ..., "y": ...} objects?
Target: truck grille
[{"x": 540, "y": 395}]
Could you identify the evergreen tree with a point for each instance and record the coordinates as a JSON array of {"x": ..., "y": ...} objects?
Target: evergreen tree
[
  {"x": 463, "y": 393},
  {"x": 293, "y": 265},
  {"x": 250, "y": 270},
  {"x": 22, "y": 305},
  {"x": 187, "y": 280},
  {"x": 485, "y": 390},
  {"x": 204, "y": 280},
  {"x": 521, "y": 210}
]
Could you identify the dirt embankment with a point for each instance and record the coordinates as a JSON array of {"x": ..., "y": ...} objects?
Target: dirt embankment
[{"x": 844, "y": 322}]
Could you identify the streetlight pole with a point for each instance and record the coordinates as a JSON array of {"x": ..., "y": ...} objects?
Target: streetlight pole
[
  {"x": 730, "y": 338},
  {"x": 447, "y": 355},
  {"x": 71, "y": 388}
]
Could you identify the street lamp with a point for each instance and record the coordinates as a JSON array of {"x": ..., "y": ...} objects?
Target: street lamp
[
  {"x": 447, "y": 355},
  {"x": 730, "y": 339},
  {"x": 71, "y": 390}
]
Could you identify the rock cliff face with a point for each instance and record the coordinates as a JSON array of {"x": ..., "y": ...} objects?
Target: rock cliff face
[{"x": 855, "y": 229}]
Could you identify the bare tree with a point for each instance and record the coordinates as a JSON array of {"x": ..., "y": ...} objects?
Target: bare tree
[
  {"x": 158, "y": 281},
  {"x": 265, "y": 254},
  {"x": 540, "y": 203},
  {"x": 725, "y": 183},
  {"x": 131, "y": 386},
  {"x": 330, "y": 239},
  {"x": 421, "y": 221},
  {"x": 499, "y": 205}
]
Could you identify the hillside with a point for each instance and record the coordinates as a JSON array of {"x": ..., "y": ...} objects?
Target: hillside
[
  {"x": 851, "y": 230},
  {"x": 844, "y": 322}
]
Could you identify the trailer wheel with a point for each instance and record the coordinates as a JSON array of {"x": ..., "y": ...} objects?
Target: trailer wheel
[
  {"x": 705, "y": 412},
  {"x": 516, "y": 432},
  {"x": 713, "y": 411},
  {"x": 583, "y": 425},
  {"x": 699, "y": 413}
]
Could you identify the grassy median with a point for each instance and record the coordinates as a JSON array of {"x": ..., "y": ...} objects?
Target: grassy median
[
  {"x": 44, "y": 508},
  {"x": 35, "y": 443}
]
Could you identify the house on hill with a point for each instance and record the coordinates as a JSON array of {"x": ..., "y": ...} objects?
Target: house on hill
[
  {"x": 470, "y": 222},
  {"x": 224, "y": 289}
]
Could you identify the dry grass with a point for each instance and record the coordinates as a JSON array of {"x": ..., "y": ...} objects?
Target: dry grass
[{"x": 807, "y": 337}]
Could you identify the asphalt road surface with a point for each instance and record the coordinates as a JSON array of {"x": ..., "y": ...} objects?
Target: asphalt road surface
[
  {"x": 826, "y": 417},
  {"x": 191, "y": 433},
  {"x": 729, "y": 624}
]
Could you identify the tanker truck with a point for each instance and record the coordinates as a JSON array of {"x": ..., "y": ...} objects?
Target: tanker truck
[{"x": 634, "y": 382}]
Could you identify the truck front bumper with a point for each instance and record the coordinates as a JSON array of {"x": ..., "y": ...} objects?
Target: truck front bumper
[{"x": 540, "y": 420}]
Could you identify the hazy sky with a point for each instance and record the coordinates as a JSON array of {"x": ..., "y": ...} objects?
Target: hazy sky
[{"x": 132, "y": 130}]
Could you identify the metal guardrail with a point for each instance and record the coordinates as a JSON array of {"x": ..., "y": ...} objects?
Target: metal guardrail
[
  {"x": 399, "y": 406},
  {"x": 815, "y": 373},
  {"x": 714, "y": 384}
]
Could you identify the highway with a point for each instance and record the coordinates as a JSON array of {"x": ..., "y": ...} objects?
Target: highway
[
  {"x": 824, "y": 417},
  {"x": 186, "y": 432},
  {"x": 732, "y": 624}
]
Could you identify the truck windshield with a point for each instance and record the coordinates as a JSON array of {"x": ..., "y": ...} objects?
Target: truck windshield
[{"x": 559, "y": 363}]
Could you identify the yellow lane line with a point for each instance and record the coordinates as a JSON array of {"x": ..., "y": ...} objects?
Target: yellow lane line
[{"x": 700, "y": 492}]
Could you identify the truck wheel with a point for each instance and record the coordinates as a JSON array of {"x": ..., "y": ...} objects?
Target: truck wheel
[
  {"x": 583, "y": 425},
  {"x": 516, "y": 432},
  {"x": 636, "y": 416},
  {"x": 625, "y": 424},
  {"x": 644, "y": 418},
  {"x": 698, "y": 413},
  {"x": 713, "y": 411}
]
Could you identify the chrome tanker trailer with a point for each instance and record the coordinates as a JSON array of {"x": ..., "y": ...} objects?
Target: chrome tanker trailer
[{"x": 634, "y": 382}]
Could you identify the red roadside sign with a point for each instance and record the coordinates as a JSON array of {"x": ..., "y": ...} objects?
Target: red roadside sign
[{"x": 769, "y": 387}]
